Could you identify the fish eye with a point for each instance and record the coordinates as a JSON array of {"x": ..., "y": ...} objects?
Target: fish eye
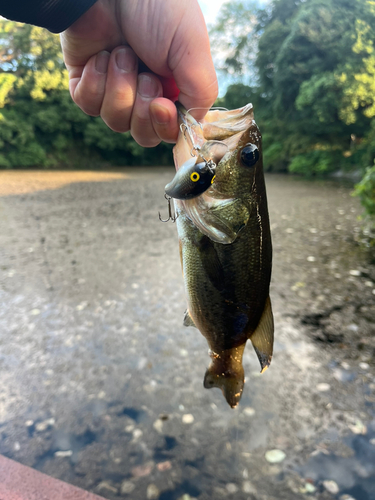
[
  {"x": 250, "y": 155},
  {"x": 195, "y": 176}
]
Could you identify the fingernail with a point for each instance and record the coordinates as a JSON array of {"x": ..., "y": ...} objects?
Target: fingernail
[
  {"x": 147, "y": 87},
  {"x": 126, "y": 60},
  {"x": 101, "y": 61},
  {"x": 159, "y": 114}
]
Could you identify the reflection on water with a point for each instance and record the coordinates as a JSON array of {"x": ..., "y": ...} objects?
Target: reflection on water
[{"x": 102, "y": 386}]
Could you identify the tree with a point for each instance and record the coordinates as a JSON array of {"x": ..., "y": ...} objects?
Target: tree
[{"x": 39, "y": 123}]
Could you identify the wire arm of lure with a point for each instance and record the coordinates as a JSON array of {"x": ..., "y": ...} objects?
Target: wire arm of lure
[{"x": 170, "y": 215}]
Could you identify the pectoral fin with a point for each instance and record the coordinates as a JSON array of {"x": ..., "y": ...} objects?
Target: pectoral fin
[
  {"x": 231, "y": 216},
  {"x": 211, "y": 262},
  {"x": 188, "y": 320},
  {"x": 262, "y": 338}
]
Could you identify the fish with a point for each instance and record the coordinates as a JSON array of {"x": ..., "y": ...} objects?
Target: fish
[{"x": 224, "y": 240}]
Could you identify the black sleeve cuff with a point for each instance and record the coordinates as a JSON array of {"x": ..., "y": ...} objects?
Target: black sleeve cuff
[{"x": 55, "y": 15}]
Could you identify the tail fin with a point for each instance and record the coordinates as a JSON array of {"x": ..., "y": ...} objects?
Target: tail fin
[{"x": 226, "y": 372}]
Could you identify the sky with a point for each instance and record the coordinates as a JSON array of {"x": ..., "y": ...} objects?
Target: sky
[{"x": 210, "y": 8}]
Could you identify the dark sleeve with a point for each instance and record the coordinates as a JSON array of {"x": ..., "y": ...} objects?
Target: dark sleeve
[{"x": 55, "y": 15}]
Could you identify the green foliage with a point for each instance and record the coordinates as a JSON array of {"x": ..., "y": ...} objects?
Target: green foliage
[
  {"x": 314, "y": 86},
  {"x": 39, "y": 123},
  {"x": 366, "y": 191}
]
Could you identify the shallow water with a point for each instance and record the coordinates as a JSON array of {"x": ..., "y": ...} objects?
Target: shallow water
[{"x": 102, "y": 386}]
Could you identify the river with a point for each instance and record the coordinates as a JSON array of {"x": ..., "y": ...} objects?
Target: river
[{"x": 102, "y": 386}]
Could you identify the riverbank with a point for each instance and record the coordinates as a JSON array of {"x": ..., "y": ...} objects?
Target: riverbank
[{"x": 102, "y": 385}]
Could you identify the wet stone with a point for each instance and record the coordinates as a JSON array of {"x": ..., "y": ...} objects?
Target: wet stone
[
  {"x": 126, "y": 487},
  {"x": 358, "y": 427},
  {"x": 249, "y": 412},
  {"x": 142, "y": 470},
  {"x": 275, "y": 456},
  {"x": 43, "y": 426},
  {"x": 309, "y": 488},
  {"x": 106, "y": 486},
  {"x": 323, "y": 387},
  {"x": 331, "y": 486},
  {"x": 163, "y": 466},
  {"x": 153, "y": 492},
  {"x": 231, "y": 488},
  {"x": 248, "y": 487},
  {"x": 188, "y": 418},
  {"x": 63, "y": 454}
]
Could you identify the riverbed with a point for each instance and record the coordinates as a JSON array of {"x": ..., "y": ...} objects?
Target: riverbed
[{"x": 102, "y": 385}]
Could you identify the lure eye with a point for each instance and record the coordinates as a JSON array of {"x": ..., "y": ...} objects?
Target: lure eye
[
  {"x": 250, "y": 155},
  {"x": 195, "y": 176}
]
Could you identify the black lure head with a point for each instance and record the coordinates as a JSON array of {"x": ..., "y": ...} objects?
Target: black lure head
[{"x": 191, "y": 180}]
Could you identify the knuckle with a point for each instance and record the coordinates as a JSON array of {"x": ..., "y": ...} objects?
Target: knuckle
[{"x": 117, "y": 124}]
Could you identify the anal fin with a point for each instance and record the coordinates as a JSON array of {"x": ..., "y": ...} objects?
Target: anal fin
[
  {"x": 262, "y": 338},
  {"x": 188, "y": 320}
]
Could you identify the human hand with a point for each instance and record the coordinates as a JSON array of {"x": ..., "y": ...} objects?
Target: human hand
[{"x": 101, "y": 51}]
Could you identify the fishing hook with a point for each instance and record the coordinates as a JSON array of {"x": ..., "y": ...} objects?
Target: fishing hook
[{"x": 170, "y": 215}]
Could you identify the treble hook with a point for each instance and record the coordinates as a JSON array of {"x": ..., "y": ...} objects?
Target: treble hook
[{"x": 170, "y": 216}]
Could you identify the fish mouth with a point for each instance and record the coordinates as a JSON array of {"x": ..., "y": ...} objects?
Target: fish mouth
[
  {"x": 222, "y": 130},
  {"x": 184, "y": 116}
]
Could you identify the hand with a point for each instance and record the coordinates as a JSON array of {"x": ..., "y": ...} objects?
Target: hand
[{"x": 102, "y": 49}]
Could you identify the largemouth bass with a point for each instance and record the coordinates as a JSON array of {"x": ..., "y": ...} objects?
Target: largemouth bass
[{"x": 225, "y": 241}]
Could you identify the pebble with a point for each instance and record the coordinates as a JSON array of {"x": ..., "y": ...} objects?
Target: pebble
[
  {"x": 248, "y": 487},
  {"x": 275, "y": 456},
  {"x": 364, "y": 366},
  {"x": 17, "y": 446},
  {"x": 311, "y": 258},
  {"x": 42, "y": 426},
  {"x": 158, "y": 425},
  {"x": 289, "y": 230},
  {"x": 63, "y": 454},
  {"x": 127, "y": 487},
  {"x": 104, "y": 485},
  {"x": 346, "y": 497},
  {"x": 137, "y": 433},
  {"x": 345, "y": 365},
  {"x": 153, "y": 492},
  {"x": 369, "y": 283},
  {"x": 323, "y": 387},
  {"x": 29, "y": 423},
  {"x": 354, "y": 272},
  {"x": 358, "y": 428},
  {"x": 310, "y": 488},
  {"x": 249, "y": 412},
  {"x": 372, "y": 441},
  {"x": 231, "y": 488},
  {"x": 142, "y": 470},
  {"x": 188, "y": 418},
  {"x": 353, "y": 327},
  {"x": 331, "y": 486},
  {"x": 35, "y": 312},
  {"x": 163, "y": 466},
  {"x": 82, "y": 306}
]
